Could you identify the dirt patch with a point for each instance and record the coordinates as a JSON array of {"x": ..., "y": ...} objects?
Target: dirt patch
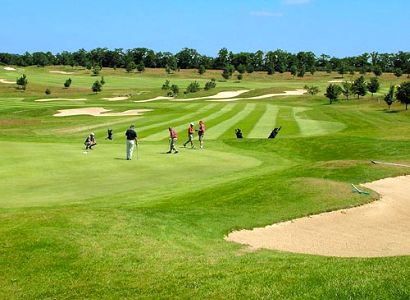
[
  {"x": 61, "y": 72},
  {"x": 98, "y": 112},
  {"x": 7, "y": 81},
  {"x": 377, "y": 229},
  {"x": 60, "y": 99}
]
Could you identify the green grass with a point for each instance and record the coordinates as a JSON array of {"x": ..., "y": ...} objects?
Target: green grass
[{"x": 86, "y": 226}]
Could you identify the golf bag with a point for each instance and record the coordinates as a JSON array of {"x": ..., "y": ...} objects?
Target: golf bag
[
  {"x": 274, "y": 132},
  {"x": 238, "y": 133},
  {"x": 109, "y": 134}
]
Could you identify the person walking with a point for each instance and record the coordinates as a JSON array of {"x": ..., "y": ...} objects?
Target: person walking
[
  {"x": 190, "y": 140},
  {"x": 172, "y": 140},
  {"x": 201, "y": 133},
  {"x": 132, "y": 140},
  {"x": 90, "y": 141}
]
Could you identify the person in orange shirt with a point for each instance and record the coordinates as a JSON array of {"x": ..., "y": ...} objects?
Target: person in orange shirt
[
  {"x": 201, "y": 133},
  {"x": 172, "y": 140}
]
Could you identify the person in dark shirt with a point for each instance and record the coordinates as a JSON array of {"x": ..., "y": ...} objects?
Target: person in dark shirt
[
  {"x": 132, "y": 141},
  {"x": 90, "y": 141},
  {"x": 238, "y": 133}
]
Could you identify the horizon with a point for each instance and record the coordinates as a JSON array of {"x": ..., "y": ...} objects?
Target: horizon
[{"x": 240, "y": 26}]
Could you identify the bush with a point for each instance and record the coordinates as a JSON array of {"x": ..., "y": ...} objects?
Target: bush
[
  {"x": 210, "y": 84},
  {"x": 67, "y": 83},
  {"x": 96, "y": 87},
  {"x": 141, "y": 67},
  {"x": 47, "y": 92},
  {"x": 193, "y": 87},
  {"x": 102, "y": 81},
  {"x": 166, "y": 86},
  {"x": 22, "y": 82},
  {"x": 311, "y": 90},
  {"x": 239, "y": 76}
]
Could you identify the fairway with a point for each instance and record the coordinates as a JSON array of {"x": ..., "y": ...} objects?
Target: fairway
[{"x": 158, "y": 226}]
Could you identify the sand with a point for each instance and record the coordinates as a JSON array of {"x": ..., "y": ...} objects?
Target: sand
[
  {"x": 98, "y": 112},
  {"x": 220, "y": 95},
  {"x": 61, "y": 72},
  {"x": 154, "y": 99},
  {"x": 377, "y": 229},
  {"x": 118, "y": 98},
  {"x": 7, "y": 81},
  {"x": 297, "y": 92},
  {"x": 9, "y": 69},
  {"x": 60, "y": 99}
]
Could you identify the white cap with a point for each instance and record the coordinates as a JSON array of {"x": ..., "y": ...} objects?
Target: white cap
[
  {"x": 192, "y": 124},
  {"x": 92, "y": 133}
]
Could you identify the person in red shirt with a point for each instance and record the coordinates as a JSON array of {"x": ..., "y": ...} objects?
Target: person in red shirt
[
  {"x": 201, "y": 133},
  {"x": 191, "y": 131},
  {"x": 172, "y": 140}
]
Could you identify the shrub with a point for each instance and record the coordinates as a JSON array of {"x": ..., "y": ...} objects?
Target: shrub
[
  {"x": 210, "y": 84},
  {"x": 193, "y": 87},
  {"x": 47, "y": 92}
]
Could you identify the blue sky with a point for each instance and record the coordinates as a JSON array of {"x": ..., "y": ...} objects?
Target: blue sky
[{"x": 335, "y": 27}]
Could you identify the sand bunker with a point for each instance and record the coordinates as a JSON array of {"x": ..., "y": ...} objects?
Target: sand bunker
[
  {"x": 298, "y": 92},
  {"x": 118, "y": 98},
  {"x": 61, "y": 72},
  {"x": 60, "y": 99},
  {"x": 7, "y": 81},
  {"x": 154, "y": 99},
  {"x": 378, "y": 229},
  {"x": 98, "y": 112},
  {"x": 9, "y": 69},
  {"x": 220, "y": 95}
]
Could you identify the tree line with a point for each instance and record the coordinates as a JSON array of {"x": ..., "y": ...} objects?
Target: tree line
[{"x": 271, "y": 61}]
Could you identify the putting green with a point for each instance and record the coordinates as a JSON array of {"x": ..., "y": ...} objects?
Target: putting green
[{"x": 62, "y": 173}]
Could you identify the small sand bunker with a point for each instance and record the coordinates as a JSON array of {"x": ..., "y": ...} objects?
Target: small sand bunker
[
  {"x": 60, "y": 99},
  {"x": 61, "y": 72},
  {"x": 378, "y": 229},
  {"x": 118, "y": 98},
  {"x": 154, "y": 99},
  {"x": 298, "y": 92},
  {"x": 220, "y": 95},
  {"x": 7, "y": 81},
  {"x": 9, "y": 69},
  {"x": 98, "y": 112}
]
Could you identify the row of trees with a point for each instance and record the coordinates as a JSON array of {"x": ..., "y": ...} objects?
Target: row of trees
[{"x": 271, "y": 61}]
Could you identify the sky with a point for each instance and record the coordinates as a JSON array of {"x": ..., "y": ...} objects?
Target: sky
[{"x": 335, "y": 27}]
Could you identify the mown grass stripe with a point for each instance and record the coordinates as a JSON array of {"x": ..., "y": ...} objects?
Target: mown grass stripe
[
  {"x": 266, "y": 123},
  {"x": 219, "y": 129},
  {"x": 181, "y": 123},
  {"x": 286, "y": 119}
]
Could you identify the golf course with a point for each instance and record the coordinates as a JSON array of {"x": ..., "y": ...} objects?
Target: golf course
[{"x": 88, "y": 224}]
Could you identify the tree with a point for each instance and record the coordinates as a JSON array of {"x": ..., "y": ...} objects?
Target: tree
[
  {"x": 141, "y": 67},
  {"x": 389, "y": 97},
  {"x": 193, "y": 87},
  {"x": 347, "y": 89},
  {"x": 96, "y": 87},
  {"x": 228, "y": 71},
  {"x": 22, "y": 82},
  {"x": 250, "y": 68},
  {"x": 67, "y": 83},
  {"x": 174, "y": 89},
  {"x": 270, "y": 70},
  {"x": 342, "y": 70},
  {"x": 102, "y": 81},
  {"x": 374, "y": 85},
  {"x": 359, "y": 87},
  {"x": 377, "y": 70},
  {"x": 311, "y": 90},
  {"x": 398, "y": 72},
  {"x": 301, "y": 72},
  {"x": 130, "y": 66},
  {"x": 210, "y": 84},
  {"x": 201, "y": 69},
  {"x": 96, "y": 70},
  {"x": 293, "y": 70},
  {"x": 166, "y": 86},
  {"x": 332, "y": 92},
  {"x": 403, "y": 93},
  {"x": 241, "y": 69}
]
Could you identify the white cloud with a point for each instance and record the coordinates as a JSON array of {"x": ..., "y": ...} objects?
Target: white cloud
[
  {"x": 265, "y": 14},
  {"x": 292, "y": 2}
]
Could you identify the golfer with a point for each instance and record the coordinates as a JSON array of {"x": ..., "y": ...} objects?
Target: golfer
[
  {"x": 132, "y": 140},
  {"x": 172, "y": 140},
  {"x": 190, "y": 140},
  {"x": 90, "y": 141},
  {"x": 201, "y": 133}
]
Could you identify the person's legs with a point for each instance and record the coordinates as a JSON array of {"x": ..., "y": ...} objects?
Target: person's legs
[
  {"x": 130, "y": 149},
  {"x": 173, "y": 144}
]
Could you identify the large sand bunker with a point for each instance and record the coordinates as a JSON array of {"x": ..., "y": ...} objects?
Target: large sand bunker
[
  {"x": 7, "y": 81},
  {"x": 9, "y": 69},
  {"x": 98, "y": 112},
  {"x": 220, "y": 95},
  {"x": 117, "y": 98},
  {"x": 298, "y": 92},
  {"x": 60, "y": 99},
  {"x": 62, "y": 72},
  {"x": 378, "y": 229}
]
